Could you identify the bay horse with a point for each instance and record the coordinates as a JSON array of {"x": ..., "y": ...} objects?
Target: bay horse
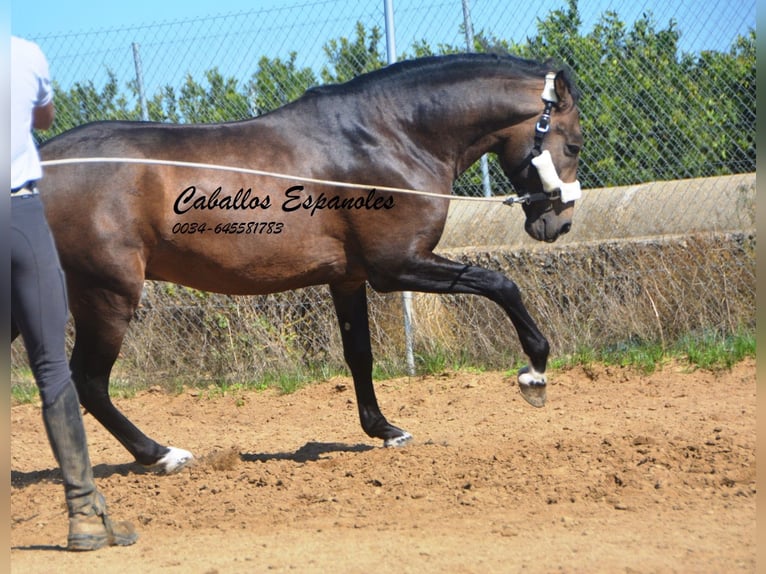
[{"x": 416, "y": 124}]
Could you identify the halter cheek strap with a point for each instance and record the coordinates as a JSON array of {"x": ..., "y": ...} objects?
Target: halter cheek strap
[
  {"x": 542, "y": 160},
  {"x": 543, "y": 125}
]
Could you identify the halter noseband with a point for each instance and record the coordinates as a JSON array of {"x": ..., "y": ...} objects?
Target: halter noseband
[{"x": 553, "y": 187}]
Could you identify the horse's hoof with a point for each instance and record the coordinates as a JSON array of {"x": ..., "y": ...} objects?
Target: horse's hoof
[
  {"x": 398, "y": 441},
  {"x": 533, "y": 387},
  {"x": 173, "y": 461}
]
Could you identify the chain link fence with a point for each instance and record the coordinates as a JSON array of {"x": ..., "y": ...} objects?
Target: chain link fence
[{"x": 668, "y": 93}]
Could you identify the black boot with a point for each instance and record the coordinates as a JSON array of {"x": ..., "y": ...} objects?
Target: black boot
[{"x": 89, "y": 524}]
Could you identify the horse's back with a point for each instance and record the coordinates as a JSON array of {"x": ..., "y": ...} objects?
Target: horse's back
[
  {"x": 127, "y": 221},
  {"x": 131, "y": 211}
]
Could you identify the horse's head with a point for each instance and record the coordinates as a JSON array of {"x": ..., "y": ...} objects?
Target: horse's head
[{"x": 541, "y": 157}]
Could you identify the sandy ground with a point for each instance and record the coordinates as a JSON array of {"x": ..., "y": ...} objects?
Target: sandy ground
[{"x": 620, "y": 472}]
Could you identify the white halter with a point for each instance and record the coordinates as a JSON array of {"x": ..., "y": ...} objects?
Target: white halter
[{"x": 542, "y": 160}]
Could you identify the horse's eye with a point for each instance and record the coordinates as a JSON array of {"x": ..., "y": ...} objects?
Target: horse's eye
[{"x": 572, "y": 149}]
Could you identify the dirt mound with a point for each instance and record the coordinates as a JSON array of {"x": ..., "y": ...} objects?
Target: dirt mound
[{"x": 621, "y": 471}]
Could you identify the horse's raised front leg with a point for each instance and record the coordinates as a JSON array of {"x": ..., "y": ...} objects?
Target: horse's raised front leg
[
  {"x": 101, "y": 320},
  {"x": 433, "y": 274},
  {"x": 351, "y": 308}
]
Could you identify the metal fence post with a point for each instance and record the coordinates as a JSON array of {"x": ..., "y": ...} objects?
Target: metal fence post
[
  {"x": 140, "y": 82},
  {"x": 388, "y": 8},
  {"x": 485, "y": 181}
]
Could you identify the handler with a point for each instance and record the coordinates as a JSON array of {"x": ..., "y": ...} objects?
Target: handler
[{"x": 39, "y": 306}]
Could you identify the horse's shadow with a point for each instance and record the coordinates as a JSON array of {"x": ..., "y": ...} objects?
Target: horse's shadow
[
  {"x": 41, "y": 547},
  {"x": 309, "y": 452},
  {"x": 23, "y": 479}
]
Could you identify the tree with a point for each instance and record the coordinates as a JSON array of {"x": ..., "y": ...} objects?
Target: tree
[
  {"x": 163, "y": 106},
  {"x": 277, "y": 82},
  {"x": 351, "y": 58},
  {"x": 647, "y": 111},
  {"x": 220, "y": 101},
  {"x": 83, "y": 103}
]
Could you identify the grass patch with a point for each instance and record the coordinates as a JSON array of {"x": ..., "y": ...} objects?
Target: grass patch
[
  {"x": 707, "y": 350},
  {"x": 24, "y": 389},
  {"x": 716, "y": 351},
  {"x": 285, "y": 382},
  {"x": 438, "y": 359},
  {"x": 24, "y": 393}
]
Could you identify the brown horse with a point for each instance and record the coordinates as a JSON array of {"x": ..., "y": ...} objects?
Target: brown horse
[{"x": 416, "y": 125}]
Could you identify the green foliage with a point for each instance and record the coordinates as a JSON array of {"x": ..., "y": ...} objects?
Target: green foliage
[
  {"x": 24, "y": 390},
  {"x": 648, "y": 111},
  {"x": 433, "y": 358},
  {"x": 219, "y": 101},
  {"x": 708, "y": 350},
  {"x": 84, "y": 103},
  {"x": 351, "y": 58},
  {"x": 277, "y": 82},
  {"x": 712, "y": 350}
]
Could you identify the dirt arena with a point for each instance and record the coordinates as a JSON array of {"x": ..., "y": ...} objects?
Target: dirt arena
[{"x": 620, "y": 472}]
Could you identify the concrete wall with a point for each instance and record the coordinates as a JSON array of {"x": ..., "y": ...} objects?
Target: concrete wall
[{"x": 682, "y": 207}]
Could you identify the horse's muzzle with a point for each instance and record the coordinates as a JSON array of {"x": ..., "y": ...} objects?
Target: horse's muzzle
[{"x": 548, "y": 227}]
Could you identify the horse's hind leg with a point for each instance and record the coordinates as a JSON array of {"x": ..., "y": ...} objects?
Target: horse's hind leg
[
  {"x": 101, "y": 320},
  {"x": 351, "y": 308}
]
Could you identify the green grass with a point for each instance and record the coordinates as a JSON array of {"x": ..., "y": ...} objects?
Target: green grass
[
  {"x": 645, "y": 356},
  {"x": 24, "y": 389},
  {"x": 707, "y": 350},
  {"x": 439, "y": 359},
  {"x": 715, "y": 351}
]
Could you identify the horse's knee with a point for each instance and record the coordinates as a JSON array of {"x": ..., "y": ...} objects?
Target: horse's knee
[{"x": 92, "y": 392}]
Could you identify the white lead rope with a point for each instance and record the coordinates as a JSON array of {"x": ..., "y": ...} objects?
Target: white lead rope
[{"x": 67, "y": 161}]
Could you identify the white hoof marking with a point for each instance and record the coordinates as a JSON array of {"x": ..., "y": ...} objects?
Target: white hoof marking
[
  {"x": 174, "y": 461},
  {"x": 398, "y": 441},
  {"x": 528, "y": 376}
]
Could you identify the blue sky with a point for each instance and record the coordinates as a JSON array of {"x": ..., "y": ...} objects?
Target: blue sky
[
  {"x": 48, "y": 16},
  {"x": 704, "y": 24}
]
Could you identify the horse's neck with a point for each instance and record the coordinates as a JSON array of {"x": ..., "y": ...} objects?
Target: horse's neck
[
  {"x": 469, "y": 118},
  {"x": 452, "y": 122}
]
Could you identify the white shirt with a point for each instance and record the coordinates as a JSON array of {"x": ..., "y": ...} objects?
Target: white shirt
[{"x": 30, "y": 88}]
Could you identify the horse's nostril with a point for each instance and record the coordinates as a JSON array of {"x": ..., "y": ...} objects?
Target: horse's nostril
[{"x": 565, "y": 228}]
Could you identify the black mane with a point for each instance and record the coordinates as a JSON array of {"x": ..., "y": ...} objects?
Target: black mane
[{"x": 423, "y": 70}]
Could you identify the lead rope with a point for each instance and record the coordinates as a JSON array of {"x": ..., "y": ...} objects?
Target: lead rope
[{"x": 78, "y": 160}]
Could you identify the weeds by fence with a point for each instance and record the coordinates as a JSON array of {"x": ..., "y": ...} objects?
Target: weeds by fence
[{"x": 595, "y": 296}]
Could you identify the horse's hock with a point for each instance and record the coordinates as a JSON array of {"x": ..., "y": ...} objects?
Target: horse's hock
[{"x": 651, "y": 261}]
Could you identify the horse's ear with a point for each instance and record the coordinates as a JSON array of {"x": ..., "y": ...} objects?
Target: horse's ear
[{"x": 563, "y": 91}]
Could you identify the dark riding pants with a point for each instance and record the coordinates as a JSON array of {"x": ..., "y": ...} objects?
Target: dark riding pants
[{"x": 38, "y": 296}]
